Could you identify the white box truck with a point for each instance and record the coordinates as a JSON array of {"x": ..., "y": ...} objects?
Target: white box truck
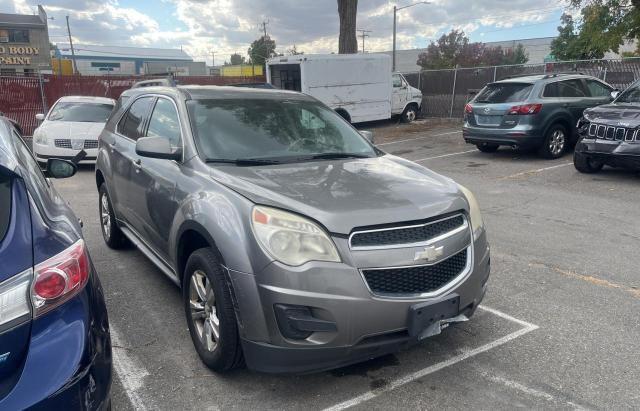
[{"x": 360, "y": 87}]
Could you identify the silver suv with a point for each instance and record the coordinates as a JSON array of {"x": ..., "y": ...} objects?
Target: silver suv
[{"x": 299, "y": 246}]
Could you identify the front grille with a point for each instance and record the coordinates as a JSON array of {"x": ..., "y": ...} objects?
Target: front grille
[
  {"x": 417, "y": 279},
  {"x": 405, "y": 235},
  {"x": 613, "y": 133},
  {"x": 90, "y": 144},
  {"x": 63, "y": 143}
]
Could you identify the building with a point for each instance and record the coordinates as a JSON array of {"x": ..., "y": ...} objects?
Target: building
[
  {"x": 241, "y": 70},
  {"x": 102, "y": 60},
  {"x": 24, "y": 43}
]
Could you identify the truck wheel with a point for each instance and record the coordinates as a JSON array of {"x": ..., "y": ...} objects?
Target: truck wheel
[
  {"x": 210, "y": 314},
  {"x": 555, "y": 142},
  {"x": 410, "y": 114},
  {"x": 585, "y": 164},
  {"x": 487, "y": 147},
  {"x": 111, "y": 233}
]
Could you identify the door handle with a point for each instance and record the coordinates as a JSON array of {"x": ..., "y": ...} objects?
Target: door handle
[
  {"x": 137, "y": 163},
  {"x": 112, "y": 145}
]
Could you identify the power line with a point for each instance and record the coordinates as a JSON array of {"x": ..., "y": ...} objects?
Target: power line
[{"x": 363, "y": 34}]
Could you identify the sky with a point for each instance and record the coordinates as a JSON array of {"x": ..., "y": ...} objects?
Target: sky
[{"x": 229, "y": 26}]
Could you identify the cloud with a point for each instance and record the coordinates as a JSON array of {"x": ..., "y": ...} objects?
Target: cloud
[{"x": 229, "y": 26}]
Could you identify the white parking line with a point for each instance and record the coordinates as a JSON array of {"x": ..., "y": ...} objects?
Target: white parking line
[
  {"x": 536, "y": 171},
  {"x": 444, "y": 155},
  {"x": 130, "y": 372},
  {"x": 527, "y": 328},
  {"x": 419, "y": 138}
]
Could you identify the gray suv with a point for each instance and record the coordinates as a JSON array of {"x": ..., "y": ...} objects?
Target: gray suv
[
  {"x": 299, "y": 246},
  {"x": 534, "y": 112}
]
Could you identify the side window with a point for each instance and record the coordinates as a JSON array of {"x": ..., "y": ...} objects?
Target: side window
[
  {"x": 132, "y": 122},
  {"x": 571, "y": 88},
  {"x": 551, "y": 90},
  {"x": 597, "y": 89},
  {"x": 164, "y": 122},
  {"x": 397, "y": 80}
]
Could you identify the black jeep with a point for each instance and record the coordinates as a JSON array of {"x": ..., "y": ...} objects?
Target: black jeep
[{"x": 610, "y": 134}]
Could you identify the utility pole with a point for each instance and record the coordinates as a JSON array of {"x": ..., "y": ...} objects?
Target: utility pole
[
  {"x": 264, "y": 27},
  {"x": 213, "y": 58},
  {"x": 73, "y": 53},
  {"x": 363, "y": 34},
  {"x": 395, "y": 11}
]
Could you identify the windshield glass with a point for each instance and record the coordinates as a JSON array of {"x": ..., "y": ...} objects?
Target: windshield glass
[
  {"x": 282, "y": 130},
  {"x": 630, "y": 95},
  {"x": 81, "y": 112},
  {"x": 504, "y": 93}
]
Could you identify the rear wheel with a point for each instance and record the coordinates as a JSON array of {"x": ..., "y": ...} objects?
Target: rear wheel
[
  {"x": 555, "y": 142},
  {"x": 586, "y": 164},
  {"x": 487, "y": 147},
  {"x": 111, "y": 233},
  {"x": 410, "y": 114},
  {"x": 210, "y": 314}
]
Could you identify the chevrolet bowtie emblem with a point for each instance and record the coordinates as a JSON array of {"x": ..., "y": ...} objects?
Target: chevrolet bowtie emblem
[{"x": 430, "y": 253}]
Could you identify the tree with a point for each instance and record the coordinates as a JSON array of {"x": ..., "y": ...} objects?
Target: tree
[
  {"x": 454, "y": 49},
  {"x": 347, "y": 42},
  {"x": 261, "y": 50},
  {"x": 235, "y": 59},
  {"x": 607, "y": 24},
  {"x": 591, "y": 39}
]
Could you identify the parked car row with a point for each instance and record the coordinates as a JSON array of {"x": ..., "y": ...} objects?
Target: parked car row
[{"x": 552, "y": 113}]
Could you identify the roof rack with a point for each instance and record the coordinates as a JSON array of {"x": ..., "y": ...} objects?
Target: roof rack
[
  {"x": 565, "y": 73},
  {"x": 523, "y": 75}
]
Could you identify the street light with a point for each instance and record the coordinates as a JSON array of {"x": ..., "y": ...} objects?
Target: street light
[{"x": 395, "y": 10}]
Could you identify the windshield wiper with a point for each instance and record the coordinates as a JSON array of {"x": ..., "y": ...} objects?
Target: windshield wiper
[
  {"x": 244, "y": 161},
  {"x": 332, "y": 156}
]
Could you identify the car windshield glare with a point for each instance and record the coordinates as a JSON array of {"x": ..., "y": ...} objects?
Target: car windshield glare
[
  {"x": 81, "y": 112},
  {"x": 504, "y": 93},
  {"x": 631, "y": 95},
  {"x": 272, "y": 129}
]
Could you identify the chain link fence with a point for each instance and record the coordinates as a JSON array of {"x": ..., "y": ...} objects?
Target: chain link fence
[{"x": 445, "y": 92}]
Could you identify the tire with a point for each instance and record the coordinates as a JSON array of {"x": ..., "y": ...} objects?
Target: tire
[
  {"x": 111, "y": 233},
  {"x": 487, "y": 147},
  {"x": 207, "y": 299},
  {"x": 409, "y": 114},
  {"x": 585, "y": 164},
  {"x": 555, "y": 142}
]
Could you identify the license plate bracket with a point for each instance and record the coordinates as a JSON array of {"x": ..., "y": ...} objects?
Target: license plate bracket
[{"x": 423, "y": 315}]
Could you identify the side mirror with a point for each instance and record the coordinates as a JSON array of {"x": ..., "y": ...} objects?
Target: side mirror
[
  {"x": 368, "y": 135},
  {"x": 58, "y": 168},
  {"x": 40, "y": 117},
  {"x": 157, "y": 147},
  {"x": 615, "y": 94}
]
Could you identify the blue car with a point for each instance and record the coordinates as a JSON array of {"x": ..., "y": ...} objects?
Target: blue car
[{"x": 55, "y": 349}]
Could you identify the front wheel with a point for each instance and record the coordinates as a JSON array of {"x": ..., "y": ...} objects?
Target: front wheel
[
  {"x": 111, "y": 233},
  {"x": 586, "y": 164},
  {"x": 210, "y": 314},
  {"x": 410, "y": 114},
  {"x": 555, "y": 142}
]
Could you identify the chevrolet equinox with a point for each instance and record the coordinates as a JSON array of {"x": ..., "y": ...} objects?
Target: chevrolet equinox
[{"x": 299, "y": 246}]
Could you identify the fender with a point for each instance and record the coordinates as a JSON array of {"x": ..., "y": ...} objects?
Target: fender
[{"x": 563, "y": 116}]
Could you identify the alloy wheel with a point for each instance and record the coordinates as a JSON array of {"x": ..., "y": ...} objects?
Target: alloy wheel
[
  {"x": 556, "y": 143},
  {"x": 410, "y": 115},
  {"x": 105, "y": 215},
  {"x": 202, "y": 302}
]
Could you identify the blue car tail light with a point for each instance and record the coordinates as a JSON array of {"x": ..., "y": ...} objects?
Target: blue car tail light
[
  {"x": 59, "y": 278},
  {"x": 14, "y": 298}
]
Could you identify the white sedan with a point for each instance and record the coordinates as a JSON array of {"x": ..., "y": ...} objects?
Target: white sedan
[{"x": 73, "y": 124}]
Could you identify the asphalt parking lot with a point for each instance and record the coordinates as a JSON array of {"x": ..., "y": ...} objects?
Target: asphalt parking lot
[{"x": 559, "y": 327}]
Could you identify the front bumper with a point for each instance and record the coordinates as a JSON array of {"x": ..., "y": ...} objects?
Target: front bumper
[
  {"x": 611, "y": 152},
  {"x": 366, "y": 326},
  {"x": 45, "y": 152},
  {"x": 514, "y": 137}
]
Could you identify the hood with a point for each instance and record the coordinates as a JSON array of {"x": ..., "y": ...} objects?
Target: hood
[
  {"x": 72, "y": 130},
  {"x": 615, "y": 114},
  {"x": 344, "y": 194}
]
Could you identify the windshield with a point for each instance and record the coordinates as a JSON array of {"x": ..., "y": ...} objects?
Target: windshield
[
  {"x": 630, "y": 95},
  {"x": 504, "y": 93},
  {"x": 81, "y": 112},
  {"x": 280, "y": 130}
]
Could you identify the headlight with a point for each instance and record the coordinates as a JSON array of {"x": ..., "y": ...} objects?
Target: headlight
[
  {"x": 474, "y": 212},
  {"x": 291, "y": 239},
  {"x": 40, "y": 137}
]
